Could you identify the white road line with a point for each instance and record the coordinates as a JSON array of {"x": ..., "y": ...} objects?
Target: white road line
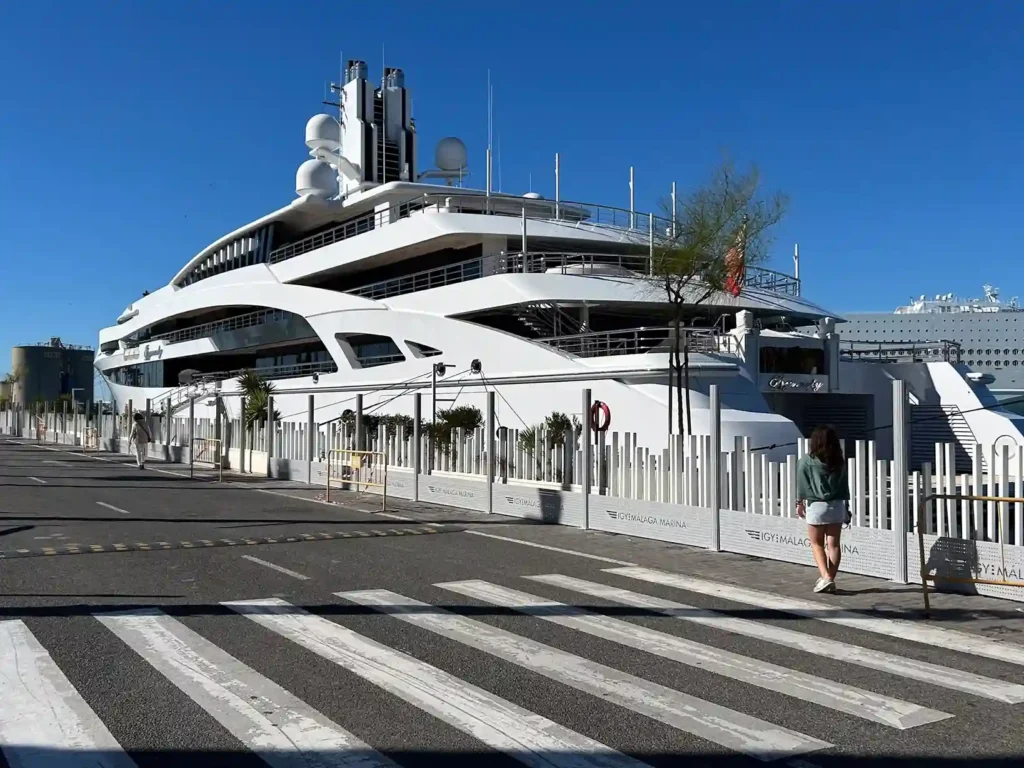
[
  {"x": 934, "y": 674},
  {"x": 53, "y": 461},
  {"x": 388, "y": 514},
  {"x": 500, "y": 724},
  {"x": 918, "y": 633},
  {"x": 550, "y": 548},
  {"x": 44, "y": 721},
  {"x": 715, "y": 723},
  {"x": 842, "y": 698},
  {"x": 115, "y": 509},
  {"x": 278, "y": 568},
  {"x": 280, "y": 728},
  {"x": 30, "y": 477}
]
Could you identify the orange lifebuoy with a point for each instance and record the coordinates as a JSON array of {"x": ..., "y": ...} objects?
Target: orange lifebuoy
[{"x": 598, "y": 410}]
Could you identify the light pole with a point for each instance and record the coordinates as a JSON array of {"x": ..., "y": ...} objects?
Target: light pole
[{"x": 74, "y": 401}]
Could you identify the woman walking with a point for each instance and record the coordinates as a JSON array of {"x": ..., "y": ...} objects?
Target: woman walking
[
  {"x": 823, "y": 493},
  {"x": 141, "y": 437}
]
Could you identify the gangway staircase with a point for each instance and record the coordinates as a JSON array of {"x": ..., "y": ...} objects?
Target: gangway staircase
[
  {"x": 546, "y": 319},
  {"x": 931, "y": 424}
]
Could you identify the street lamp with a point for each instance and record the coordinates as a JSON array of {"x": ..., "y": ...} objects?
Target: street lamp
[{"x": 74, "y": 401}]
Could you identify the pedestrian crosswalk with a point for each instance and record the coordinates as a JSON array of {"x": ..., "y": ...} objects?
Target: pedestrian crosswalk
[{"x": 532, "y": 629}]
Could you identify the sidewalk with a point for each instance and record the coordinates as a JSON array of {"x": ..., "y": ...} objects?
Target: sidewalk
[{"x": 987, "y": 616}]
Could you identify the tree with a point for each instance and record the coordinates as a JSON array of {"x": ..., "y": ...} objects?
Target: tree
[
  {"x": 554, "y": 426},
  {"x": 715, "y": 233},
  {"x": 256, "y": 398}
]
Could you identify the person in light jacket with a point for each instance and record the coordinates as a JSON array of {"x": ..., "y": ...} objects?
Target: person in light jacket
[
  {"x": 142, "y": 438},
  {"x": 823, "y": 495}
]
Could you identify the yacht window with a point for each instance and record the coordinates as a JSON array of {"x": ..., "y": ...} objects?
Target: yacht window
[
  {"x": 792, "y": 360},
  {"x": 370, "y": 350},
  {"x": 422, "y": 350}
]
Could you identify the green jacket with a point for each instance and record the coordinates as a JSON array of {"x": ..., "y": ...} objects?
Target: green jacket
[{"x": 815, "y": 483}]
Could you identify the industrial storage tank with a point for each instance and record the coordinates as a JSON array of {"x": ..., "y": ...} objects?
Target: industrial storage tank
[
  {"x": 44, "y": 372},
  {"x": 38, "y": 370}
]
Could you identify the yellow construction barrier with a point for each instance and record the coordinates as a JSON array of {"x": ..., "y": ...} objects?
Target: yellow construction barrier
[
  {"x": 357, "y": 470},
  {"x": 926, "y": 577},
  {"x": 206, "y": 450},
  {"x": 40, "y": 430}
]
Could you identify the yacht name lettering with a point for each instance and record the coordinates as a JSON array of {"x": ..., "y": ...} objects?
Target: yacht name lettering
[
  {"x": 632, "y": 517},
  {"x": 451, "y": 491},
  {"x": 515, "y": 501},
  {"x": 988, "y": 570},
  {"x": 780, "y": 383},
  {"x": 770, "y": 537}
]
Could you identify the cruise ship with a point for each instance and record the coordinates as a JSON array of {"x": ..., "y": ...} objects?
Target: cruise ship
[
  {"x": 989, "y": 330},
  {"x": 380, "y": 279}
]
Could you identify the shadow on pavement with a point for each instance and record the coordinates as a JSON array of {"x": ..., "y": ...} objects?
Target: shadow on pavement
[
  {"x": 351, "y": 609},
  {"x": 33, "y": 755}
]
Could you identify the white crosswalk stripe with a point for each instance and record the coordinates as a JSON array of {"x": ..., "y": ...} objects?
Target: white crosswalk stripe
[
  {"x": 717, "y": 724},
  {"x": 900, "y": 666},
  {"x": 842, "y": 698},
  {"x": 41, "y": 713},
  {"x": 500, "y": 724},
  {"x": 284, "y": 731},
  {"x": 46, "y": 723},
  {"x": 938, "y": 637}
]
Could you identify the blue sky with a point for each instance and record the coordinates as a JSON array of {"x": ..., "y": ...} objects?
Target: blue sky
[{"x": 132, "y": 134}]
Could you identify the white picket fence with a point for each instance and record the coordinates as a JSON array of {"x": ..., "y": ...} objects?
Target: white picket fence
[
  {"x": 621, "y": 468},
  {"x": 652, "y": 490}
]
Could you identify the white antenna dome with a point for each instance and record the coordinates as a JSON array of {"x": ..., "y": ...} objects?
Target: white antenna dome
[
  {"x": 316, "y": 178},
  {"x": 323, "y": 132},
  {"x": 534, "y": 196},
  {"x": 450, "y": 154}
]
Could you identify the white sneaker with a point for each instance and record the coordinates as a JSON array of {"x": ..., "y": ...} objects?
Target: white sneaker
[{"x": 824, "y": 585}]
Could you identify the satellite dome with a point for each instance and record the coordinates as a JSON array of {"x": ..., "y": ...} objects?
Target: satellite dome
[
  {"x": 450, "y": 154},
  {"x": 533, "y": 196},
  {"x": 316, "y": 178},
  {"x": 323, "y": 132}
]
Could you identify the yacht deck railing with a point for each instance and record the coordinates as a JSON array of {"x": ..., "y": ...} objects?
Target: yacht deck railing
[
  {"x": 595, "y": 264},
  {"x": 248, "y": 320},
  {"x": 634, "y": 227},
  {"x": 638, "y": 341}
]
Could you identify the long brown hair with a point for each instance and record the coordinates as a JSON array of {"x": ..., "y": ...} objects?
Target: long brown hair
[{"x": 826, "y": 449}]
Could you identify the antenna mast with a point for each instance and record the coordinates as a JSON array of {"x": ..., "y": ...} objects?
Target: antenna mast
[
  {"x": 490, "y": 131},
  {"x": 796, "y": 260}
]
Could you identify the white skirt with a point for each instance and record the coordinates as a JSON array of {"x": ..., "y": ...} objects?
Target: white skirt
[{"x": 826, "y": 512}]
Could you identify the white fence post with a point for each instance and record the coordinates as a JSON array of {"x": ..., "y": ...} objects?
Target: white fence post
[
  {"x": 585, "y": 479},
  {"x": 417, "y": 444},
  {"x": 489, "y": 450},
  {"x": 899, "y": 479},
  {"x": 716, "y": 469}
]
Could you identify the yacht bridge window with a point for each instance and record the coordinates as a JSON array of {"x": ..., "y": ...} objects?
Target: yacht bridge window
[{"x": 792, "y": 360}]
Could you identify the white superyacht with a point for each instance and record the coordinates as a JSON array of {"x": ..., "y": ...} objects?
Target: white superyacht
[{"x": 378, "y": 271}]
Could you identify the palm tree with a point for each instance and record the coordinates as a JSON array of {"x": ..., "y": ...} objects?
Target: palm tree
[{"x": 257, "y": 395}]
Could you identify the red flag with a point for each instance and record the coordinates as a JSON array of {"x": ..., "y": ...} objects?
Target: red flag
[{"x": 736, "y": 262}]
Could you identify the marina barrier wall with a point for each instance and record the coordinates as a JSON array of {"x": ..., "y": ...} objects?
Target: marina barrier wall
[{"x": 662, "y": 495}]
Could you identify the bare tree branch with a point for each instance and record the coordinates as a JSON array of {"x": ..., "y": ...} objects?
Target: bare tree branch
[{"x": 718, "y": 231}]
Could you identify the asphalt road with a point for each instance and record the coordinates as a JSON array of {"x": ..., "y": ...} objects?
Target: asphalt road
[{"x": 147, "y": 619}]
